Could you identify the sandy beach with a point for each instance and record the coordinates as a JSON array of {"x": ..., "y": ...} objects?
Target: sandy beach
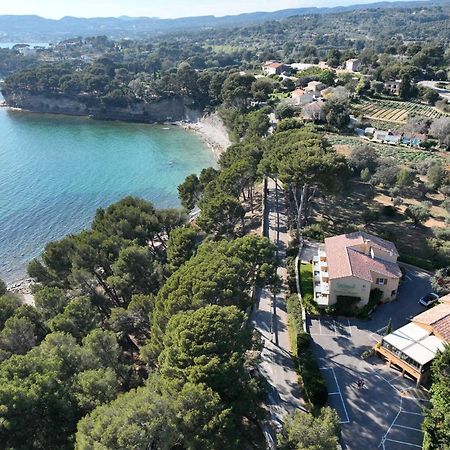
[{"x": 212, "y": 130}]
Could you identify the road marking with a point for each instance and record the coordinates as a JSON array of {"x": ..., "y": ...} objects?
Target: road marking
[
  {"x": 349, "y": 327},
  {"x": 333, "y": 393},
  {"x": 408, "y": 428},
  {"x": 320, "y": 328},
  {"x": 395, "y": 378},
  {"x": 342, "y": 399},
  {"x": 383, "y": 439},
  {"x": 404, "y": 443},
  {"x": 335, "y": 329},
  {"x": 413, "y": 413}
]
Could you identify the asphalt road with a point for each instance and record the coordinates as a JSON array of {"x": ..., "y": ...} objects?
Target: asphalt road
[
  {"x": 387, "y": 412},
  {"x": 443, "y": 93},
  {"x": 269, "y": 318}
]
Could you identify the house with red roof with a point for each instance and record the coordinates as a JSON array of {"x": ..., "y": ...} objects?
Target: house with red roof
[
  {"x": 274, "y": 68},
  {"x": 353, "y": 265}
]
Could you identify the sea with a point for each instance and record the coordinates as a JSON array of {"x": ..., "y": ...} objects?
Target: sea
[{"x": 55, "y": 171}]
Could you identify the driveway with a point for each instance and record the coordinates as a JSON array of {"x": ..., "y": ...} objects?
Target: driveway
[{"x": 388, "y": 411}]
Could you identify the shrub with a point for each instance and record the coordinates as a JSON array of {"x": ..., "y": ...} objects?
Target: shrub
[
  {"x": 314, "y": 384},
  {"x": 315, "y": 231},
  {"x": 418, "y": 213},
  {"x": 294, "y": 310},
  {"x": 346, "y": 305},
  {"x": 303, "y": 341},
  {"x": 388, "y": 211},
  {"x": 370, "y": 216}
]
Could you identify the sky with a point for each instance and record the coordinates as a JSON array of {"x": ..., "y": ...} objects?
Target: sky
[{"x": 56, "y": 9}]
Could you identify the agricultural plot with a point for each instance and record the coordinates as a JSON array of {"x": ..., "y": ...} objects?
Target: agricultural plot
[
  {"x": 395, "y": 111},
  {"x": 403, "y": 155}
]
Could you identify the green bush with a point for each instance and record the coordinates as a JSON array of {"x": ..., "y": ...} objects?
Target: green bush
[
  {"x": 388, "y": 211},
  {"x": 346, "y": 305},
  {"x": 294, "y": 310},
  {"x": 303, "y": 341},
  {"x": 314, "y": 384},
  {"x": 290, "y": 267},
  {"x": 315, "y": 231}
]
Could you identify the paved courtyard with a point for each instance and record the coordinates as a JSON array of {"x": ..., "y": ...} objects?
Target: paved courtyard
[{"x": 388, "y": 411}]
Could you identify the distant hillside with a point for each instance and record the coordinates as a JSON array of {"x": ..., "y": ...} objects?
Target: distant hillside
[{"x": 38, "y": 29}]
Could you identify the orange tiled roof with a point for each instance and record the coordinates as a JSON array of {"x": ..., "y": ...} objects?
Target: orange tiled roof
[
  {"x": 346, "y": 258},
  {"x": 433, "y": 315},
  {"x": 442, "y": 329}
]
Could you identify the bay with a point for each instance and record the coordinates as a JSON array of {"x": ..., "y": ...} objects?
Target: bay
[{"x": 55, "y": 171}]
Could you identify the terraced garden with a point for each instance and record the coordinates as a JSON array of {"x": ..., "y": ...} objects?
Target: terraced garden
[{"x": 395, "y": 111}]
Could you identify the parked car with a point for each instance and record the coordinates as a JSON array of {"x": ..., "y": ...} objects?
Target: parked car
[{"x": 429, "y": 299}]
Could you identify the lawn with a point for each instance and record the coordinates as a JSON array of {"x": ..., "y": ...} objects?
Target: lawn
[
  {"x": 307, "y": 289},
  {"x": 306, "y": 280}
]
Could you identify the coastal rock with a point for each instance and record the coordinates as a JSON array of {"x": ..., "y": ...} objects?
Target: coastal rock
[{"x": 175, "y": 108}]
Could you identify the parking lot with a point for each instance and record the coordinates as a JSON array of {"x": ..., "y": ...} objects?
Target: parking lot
[
  {"x": 405, "y": 430},
  {"x": 388, "y": 411}
]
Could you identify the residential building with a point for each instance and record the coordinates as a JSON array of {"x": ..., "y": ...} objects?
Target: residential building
[
  {"x": 352, "y": 65},
  {"x": 301, "y": 97},
  {"x": 413, "y": 347},
  {"x": 354, "y": 265},
  {"x": 274, "y": 68},
  {"x": 314, "y": 111},
  {"x": 315, "y": 87},
  {"x": 393, "y": 86},
  {"x": 387, "y": 137},
  {"x": 413, "y": 139}
]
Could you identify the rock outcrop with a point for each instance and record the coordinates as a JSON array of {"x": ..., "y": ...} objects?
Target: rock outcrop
[{"x": 170, "y": 109}]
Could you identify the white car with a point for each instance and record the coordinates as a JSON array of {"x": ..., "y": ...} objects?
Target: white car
[{"x": 429, "y": 299}]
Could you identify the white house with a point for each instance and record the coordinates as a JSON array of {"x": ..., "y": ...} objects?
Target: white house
[
  {"x": 352, "y": 65},
  {"x": 353, "y": 265},
  {"x": 387, "y": 136}
]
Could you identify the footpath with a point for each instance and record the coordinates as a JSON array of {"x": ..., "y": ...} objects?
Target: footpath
[{"x": 270, "y": 319}]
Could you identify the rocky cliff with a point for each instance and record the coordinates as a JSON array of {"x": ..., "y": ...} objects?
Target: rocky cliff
[{"x": 170, "y": 109}]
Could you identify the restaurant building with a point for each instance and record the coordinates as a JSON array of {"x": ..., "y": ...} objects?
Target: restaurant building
[{"x": 413, "y": 347}]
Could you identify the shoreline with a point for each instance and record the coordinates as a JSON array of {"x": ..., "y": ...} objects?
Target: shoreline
[{"x": 211, "y": 129}]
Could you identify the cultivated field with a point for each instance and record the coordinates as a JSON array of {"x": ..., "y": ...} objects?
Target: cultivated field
[
  {"x": 404, "y": 155},
  {"x": 395, "y": 111}
]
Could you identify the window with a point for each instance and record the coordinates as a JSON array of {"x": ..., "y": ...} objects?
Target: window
[
  {"x": 393, "y": 293},
  {"x": 381, "y": 281}
]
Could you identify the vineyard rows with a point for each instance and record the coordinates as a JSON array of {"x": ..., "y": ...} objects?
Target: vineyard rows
[{"x": 398, "y": 112}]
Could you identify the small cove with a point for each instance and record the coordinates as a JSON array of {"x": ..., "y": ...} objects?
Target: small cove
[{"x": 55, "y": 171}]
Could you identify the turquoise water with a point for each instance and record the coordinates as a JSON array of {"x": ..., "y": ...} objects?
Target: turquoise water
[{"x": 56, "y": 171}]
